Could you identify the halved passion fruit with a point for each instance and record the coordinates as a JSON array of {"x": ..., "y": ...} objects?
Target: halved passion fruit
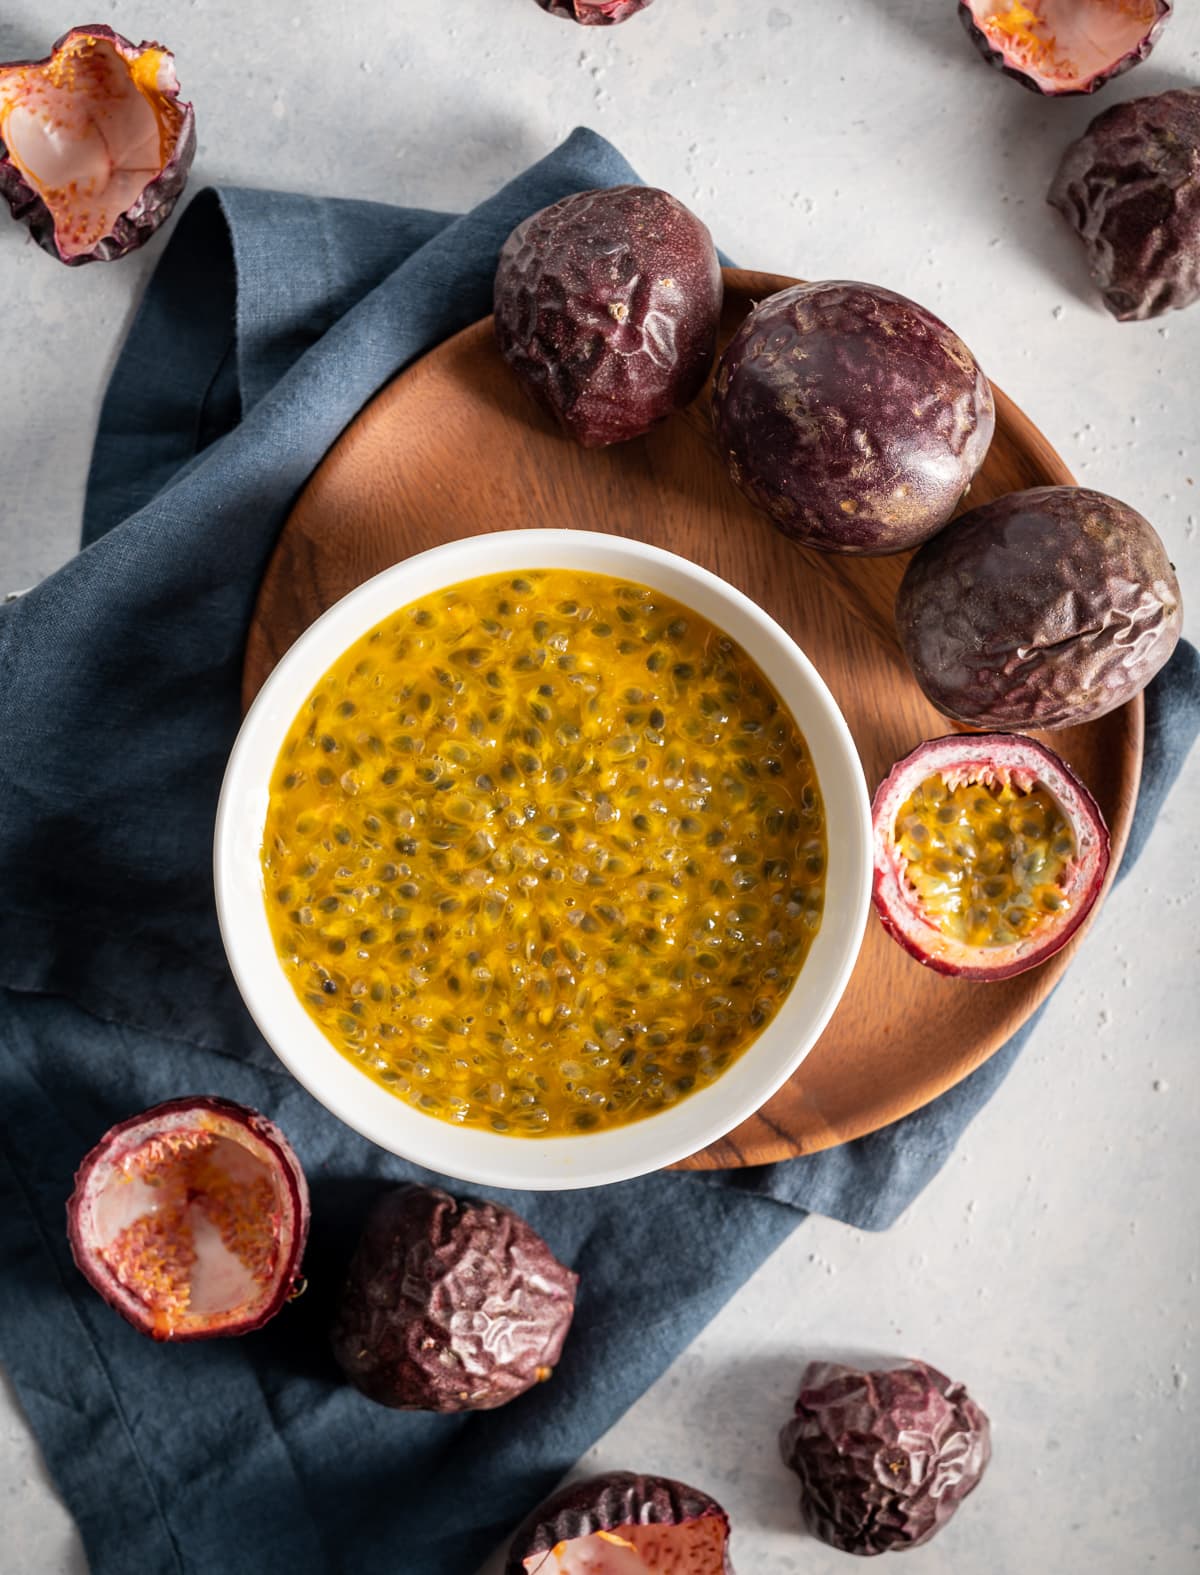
[
  {"x": 1064, "y": 46},
  {"x": 989, "y": 853},
  {"x": 95, "y": 146},
  {"x": 623, "y": 1523},
  {"x": 190, "y": 1219}
]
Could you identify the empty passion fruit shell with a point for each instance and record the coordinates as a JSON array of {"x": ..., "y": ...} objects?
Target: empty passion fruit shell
[
  {"x": 989, "y": 854},
  {"x": 191, "y": 1218},
  {"x": 95, "y": 146},
  {"x": 1064, "y": 46},
  {"x": 623, "y": 1523},
  {"x": 594, "y": 13}
]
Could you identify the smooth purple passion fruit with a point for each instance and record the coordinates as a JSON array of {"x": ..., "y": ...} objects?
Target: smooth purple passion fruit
[
  {"x": 884, "y": 1459},
  {"x": 191, "y": 1218},
  {"x": 95, "y": 145},
  {"x": 1064, "y": 46},
  {"x": 1042, "y": 609},
  {"x": 989, "y": 853},
  {"x": 853, "y": 417},
  {"x": 622, "y": 1523},
  {"x": 594, "y": 13},
  {"x": 1130, "y": 188},
  {"x": 607, "y": 308},
  {"x": 450, "y": 1304}
]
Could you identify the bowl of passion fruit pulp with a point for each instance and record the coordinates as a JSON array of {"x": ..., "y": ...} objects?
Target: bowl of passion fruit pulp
[{"x": 471, "y": 1153}]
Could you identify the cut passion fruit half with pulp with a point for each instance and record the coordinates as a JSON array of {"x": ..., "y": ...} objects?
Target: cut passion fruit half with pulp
[
  {"x": 989, "y": 854},
  {"x": 190, "y": 1219},
  {"x": 1064, "y": 46},
  {"x": 95, "y": 146}
]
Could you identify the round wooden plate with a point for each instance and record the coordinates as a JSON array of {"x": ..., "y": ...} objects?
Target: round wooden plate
[{"x": 453, "y": 448}]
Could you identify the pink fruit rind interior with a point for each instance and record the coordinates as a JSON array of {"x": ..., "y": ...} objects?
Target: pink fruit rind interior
[
  {"x": 190, "y": 1219},
  {"x": 90, "y": 128},
  {"x": 985, "y": 757},
  {"x": 1064, "y": 44},
  {"x": 693, "y": 1547}
]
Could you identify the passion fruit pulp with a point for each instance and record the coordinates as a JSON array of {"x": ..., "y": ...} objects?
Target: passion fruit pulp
[
  {"x": 989, "y": 854},
  {"x": 191, "y": 1218},
  {"x": 95, "y": 144},
  {"x": 1061, "y": 47}
]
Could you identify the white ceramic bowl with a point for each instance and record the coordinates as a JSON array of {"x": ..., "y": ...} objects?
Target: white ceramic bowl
[{"x": 466, "y": 1152}]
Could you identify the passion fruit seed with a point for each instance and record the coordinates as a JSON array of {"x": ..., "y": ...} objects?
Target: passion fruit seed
[{"x": 985, "y": 858}]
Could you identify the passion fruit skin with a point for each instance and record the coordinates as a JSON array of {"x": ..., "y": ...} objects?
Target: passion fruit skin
[
  {"x": 288, "y": 1170},
  {"x": 450, "y": 1304},
  {"x": 1130, "y": 189},
  {"x": 602, "y": 1503},
  {"x": 884, "y": 1458},
  {"x": 1036, "y": 83},
  {"x": 607, "y": 306},
  {"x": 158, "y": 198},
  {"x": 1042, "y": 609},
  {"x": 1008, "y": 757},
  {"x": 852, "y": 416},
  {"x": 594, "y": 13}
]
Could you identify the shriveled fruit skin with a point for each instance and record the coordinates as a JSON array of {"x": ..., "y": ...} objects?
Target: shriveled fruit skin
[
  {"x": 450, "y": 1304},
  {"x": 1125, "y": 61},
  {"x": 884, "y": 1458},
  {"x": 602, "y": 1503},
  {"x": 594, "y": 13},
  {"x": 1041, "y": 609},
  {"x": 157, "y": 200},
  {"x": 852, "y": 416},
  {"x": 607, "y": 306},
  {"x": 1130, "y": 188}
]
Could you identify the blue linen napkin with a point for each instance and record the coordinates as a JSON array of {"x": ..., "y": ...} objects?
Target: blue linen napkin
[{"x": 270, "y": 321}]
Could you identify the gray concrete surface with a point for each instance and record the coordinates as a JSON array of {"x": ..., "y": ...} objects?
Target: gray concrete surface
[{"x": 1053, "y": 1264}]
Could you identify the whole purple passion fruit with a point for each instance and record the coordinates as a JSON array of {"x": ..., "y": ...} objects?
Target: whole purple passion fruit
[
  {"x": 1064, "y": 46},
  {"x": 1042, "y": 609},
  {"x": 853, "y": 417},
  {"x": 594, "y": 13},
  {"x": 95, "y": 145},
  {"x": 450, "y": 1304},
  {"x": 1130, "y": 188},
  {"x": 191, "y": 1218},
  {"x": 884, "y": 1459},
  {"x": 607, "y": 308},
  {"x": 622, "y": 1523},
  {"x": 989, "y": 853}
]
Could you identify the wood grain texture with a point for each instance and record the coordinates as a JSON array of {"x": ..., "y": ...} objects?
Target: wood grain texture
[{"x": 453, "y": 448}]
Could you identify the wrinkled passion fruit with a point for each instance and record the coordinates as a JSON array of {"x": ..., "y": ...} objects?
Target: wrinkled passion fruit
[
  {"x": 1042, "y": 609},
  {"x": 95, "y": 145},
  {"x": 989, "y": 853},
  {"x": 607, "y": 307},
  {"x": 594, "y": 13},
  {"x": 191, "y": 1218},
  {"x": 623, "y": 1523},
  {"x": 1130, "y": 188},
  {"x": 450, "y": 1304},
  {"x": 1064, "y": 46},
  {"x": 852, "y": 416},
  {"x": 884, "y": 1458}
]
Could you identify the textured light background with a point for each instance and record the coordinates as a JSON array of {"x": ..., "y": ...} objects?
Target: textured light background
[{"x": 1053, "y": 1265}]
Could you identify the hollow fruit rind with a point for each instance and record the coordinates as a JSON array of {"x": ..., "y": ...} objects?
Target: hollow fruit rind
[
  {"x": 1064, "y": 47},
  {"x": 256, "y": 1224},
  {"x": 884, "y": 1458},
  {"x": 607, "y": 306},
  {"x": 1042, "y": 609},
  {"x": 852, "y": 416},
  {"x": 594, "y": 13},
  {"x": 999, "y": 761},
  {"x": 71, "y": 210},
  {"x": 642, "y": 1511},
  {"x": 450, "y": 1304},
  {"x": 1130, "y": 189}
]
